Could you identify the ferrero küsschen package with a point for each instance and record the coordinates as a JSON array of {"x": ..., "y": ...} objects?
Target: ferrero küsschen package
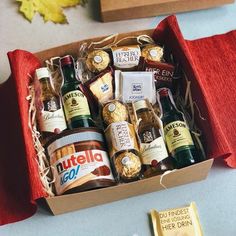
[{"x": 120, "y": 115}]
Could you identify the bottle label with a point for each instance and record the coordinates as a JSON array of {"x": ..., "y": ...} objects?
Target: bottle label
[
  {"x": 75, "y": 104},
  {"x": 154, "y": 152},
  {"x": 52, "y": 117},
  {"x": 177, "y": 135}
]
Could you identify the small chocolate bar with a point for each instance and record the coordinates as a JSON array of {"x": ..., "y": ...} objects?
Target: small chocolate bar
[
  {"x": 182, "y": 221},
  {"x": 133, "y": 86}
]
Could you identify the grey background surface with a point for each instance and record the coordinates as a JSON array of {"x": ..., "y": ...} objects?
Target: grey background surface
[{"x": 215, "y": 196}]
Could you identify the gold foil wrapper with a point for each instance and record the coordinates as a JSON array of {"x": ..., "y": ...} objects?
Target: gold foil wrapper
[
  {"x": 153, "y": 53},
  {"x": 114, "y": 111},
  {"x": 127, "y": 165},
  {"x": 182, "y": 221},
  {"x": 97, "y": 60}
]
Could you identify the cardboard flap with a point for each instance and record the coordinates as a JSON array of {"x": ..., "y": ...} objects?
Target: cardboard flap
[{"x": 210, "y": 65}]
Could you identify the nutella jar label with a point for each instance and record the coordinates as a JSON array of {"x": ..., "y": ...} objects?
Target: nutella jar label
[
  {"x": 125, "y": 57},
  {"x": 79, "y": 168},
  {"x": 120, "y": 136}
]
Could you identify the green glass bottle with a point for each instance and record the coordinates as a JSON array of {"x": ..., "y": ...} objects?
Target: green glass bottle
[
  {"x": 178, "y": 137},
  {"x": 75, "y": 102}
]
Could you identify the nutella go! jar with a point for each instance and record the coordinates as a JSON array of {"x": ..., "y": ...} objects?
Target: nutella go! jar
[{"x": 79, "y": 161}]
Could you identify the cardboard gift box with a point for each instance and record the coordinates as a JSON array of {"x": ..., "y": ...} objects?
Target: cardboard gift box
[
  {"x": 208, "y": 63},
  {"x": 120, "y": 10}
]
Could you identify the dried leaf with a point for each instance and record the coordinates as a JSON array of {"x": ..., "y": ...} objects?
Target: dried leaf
[{"x": 50, "y": 10}]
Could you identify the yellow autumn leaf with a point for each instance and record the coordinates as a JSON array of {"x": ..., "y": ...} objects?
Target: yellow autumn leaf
[{"x": 51, "y": 10}]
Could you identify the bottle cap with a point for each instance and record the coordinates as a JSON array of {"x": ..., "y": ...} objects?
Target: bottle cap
[
  {"x": 140, "y": 105},
  {"x": 164, "y": 92},
  {"x": 42, "y": 73},
  {"x": 66, "y": 60}
]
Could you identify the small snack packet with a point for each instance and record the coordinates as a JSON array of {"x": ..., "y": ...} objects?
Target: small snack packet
[{"x": 183, "y": 221}]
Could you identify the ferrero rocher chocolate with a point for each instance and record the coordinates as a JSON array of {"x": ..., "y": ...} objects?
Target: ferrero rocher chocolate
[
  {"x": 182, "y": 221},
  {"x": 126, "y": 57},
  {"x": 153, "y": 52},
  {"x": 97, "y": 60},
  {"x": 127, "y": 165},
  {"x": 114, "y": 111}
]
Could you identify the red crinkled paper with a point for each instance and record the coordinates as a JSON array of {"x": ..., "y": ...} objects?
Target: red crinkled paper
[{"x": 209, "y": 63}]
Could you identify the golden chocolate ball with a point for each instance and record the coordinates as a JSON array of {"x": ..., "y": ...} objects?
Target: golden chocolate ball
[
  {"x": 114, "y": 111},
  {"x": 128, "y": 165},
  {"x": 153, "y": 52},
  {"x": 97, "y": 60}
]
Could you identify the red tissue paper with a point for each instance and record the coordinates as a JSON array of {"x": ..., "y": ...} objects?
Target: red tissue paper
[{"x": 209, "y": 63}]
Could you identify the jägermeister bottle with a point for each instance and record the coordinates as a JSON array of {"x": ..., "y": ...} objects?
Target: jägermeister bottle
[
  {"x": 177, "y": 134},
  {"x": 50, "y": 114},
  {"x": 74, "y": 101},
  {"x": 154, "y": 155}
]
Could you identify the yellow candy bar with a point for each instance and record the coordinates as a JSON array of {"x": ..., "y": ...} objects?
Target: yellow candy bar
[{"x": 177, "y": 222}]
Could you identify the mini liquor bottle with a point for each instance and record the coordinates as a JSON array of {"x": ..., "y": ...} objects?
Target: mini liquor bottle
[
  {"x": 50, "y": 114},
  {"x": 154, "y": 154},
  {"x": 177, "y": 134},
  {"x": 75, "y": 103}
]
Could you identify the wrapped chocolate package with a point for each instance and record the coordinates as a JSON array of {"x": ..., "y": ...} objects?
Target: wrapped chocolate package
[
  {"x": 133, "y": 86},
  {"x": 163, "y": 72},
  {"x": 126, "y": 57},
  {"x": 122, "y": 142},
  {"x": 182, "y": 221},
  {"x": 101, "y": 86}
]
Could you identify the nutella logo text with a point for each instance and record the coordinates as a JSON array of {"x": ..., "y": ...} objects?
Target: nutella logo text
[{"x": 79, "y": 158}]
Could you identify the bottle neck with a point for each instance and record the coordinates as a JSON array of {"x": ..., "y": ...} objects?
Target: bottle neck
[
  {"x": 167, "y": 105},
  {"x": 69, "y": 75},
  {"x": 46, "y": 86},
  {"x": 144, "y": 115}
]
